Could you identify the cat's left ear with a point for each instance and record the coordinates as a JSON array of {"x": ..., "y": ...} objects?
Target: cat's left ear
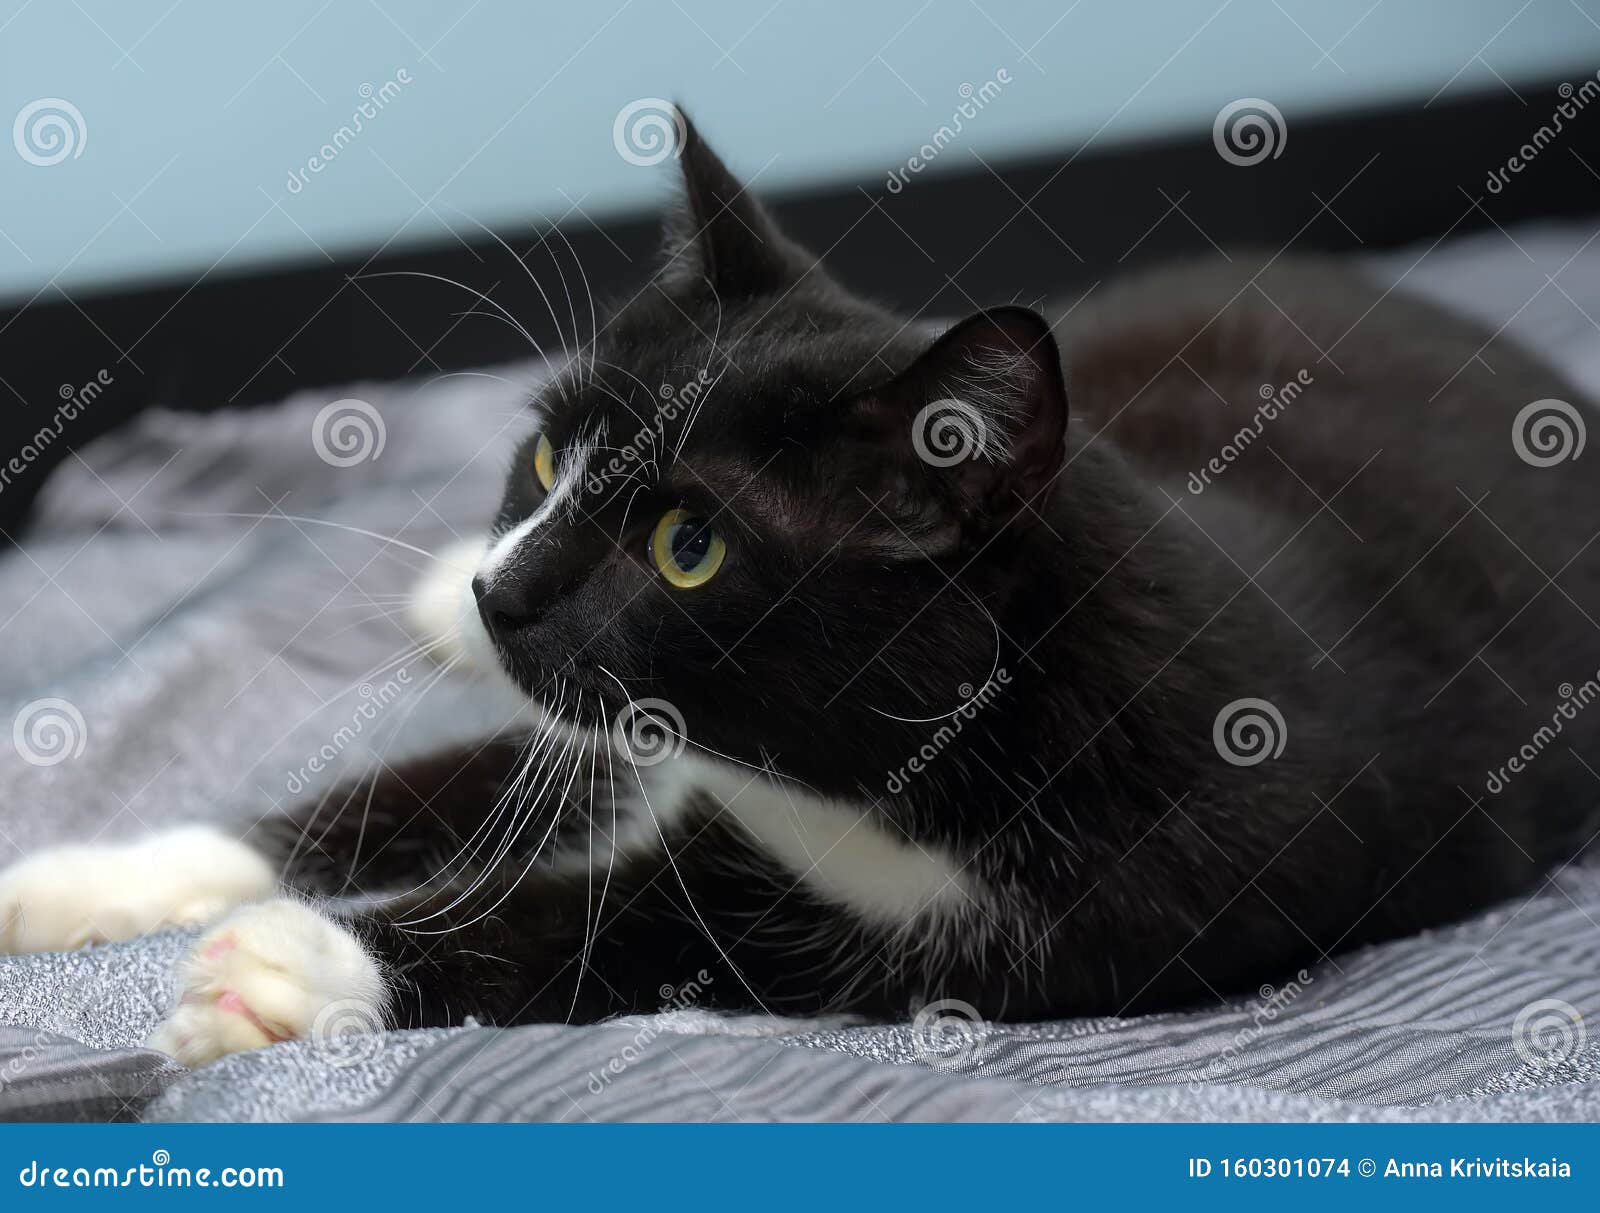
[
  {"x": 720, "y": 235},
  {"x": 976, "y": 425}
]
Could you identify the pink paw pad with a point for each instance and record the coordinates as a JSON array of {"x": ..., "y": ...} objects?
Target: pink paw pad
[
  {"x": 230, "y": 1001},
  {"x": 220, "y": 947}
]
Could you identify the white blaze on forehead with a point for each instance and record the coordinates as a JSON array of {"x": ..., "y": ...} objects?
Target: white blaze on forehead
[{"x": 570, "y": 466}]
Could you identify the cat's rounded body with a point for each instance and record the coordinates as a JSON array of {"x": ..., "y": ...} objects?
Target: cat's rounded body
[{"x": 875, "y": 682}]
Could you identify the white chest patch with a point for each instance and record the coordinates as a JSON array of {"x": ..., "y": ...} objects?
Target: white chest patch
[{"x": 835, "y": 849}]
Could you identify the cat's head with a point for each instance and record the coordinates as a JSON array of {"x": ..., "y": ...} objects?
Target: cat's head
[{"x": 777, "y": 507}]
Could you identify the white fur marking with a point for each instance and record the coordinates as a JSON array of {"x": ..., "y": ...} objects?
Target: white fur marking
[
  {"x": 65, "y": 897},
  {"x": 573, "y": 461},
  {"x": 443, "y": 613},
  {"x": 268, "y": 973},
  {"x": 835, "y": 848}
]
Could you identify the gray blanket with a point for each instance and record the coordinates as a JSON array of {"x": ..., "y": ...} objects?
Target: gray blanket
[{"x": 216, "y": 604}]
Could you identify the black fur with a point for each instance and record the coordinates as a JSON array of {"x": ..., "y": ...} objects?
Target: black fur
[{"x": 1376, "y": 565}]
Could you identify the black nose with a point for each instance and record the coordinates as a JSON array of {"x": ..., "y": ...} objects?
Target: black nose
[{"x": 503, "y": 606}]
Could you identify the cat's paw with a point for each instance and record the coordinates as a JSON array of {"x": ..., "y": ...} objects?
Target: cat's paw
[
  {"x": 268, "y": 973},
  {"x": 65, "y": 897}
]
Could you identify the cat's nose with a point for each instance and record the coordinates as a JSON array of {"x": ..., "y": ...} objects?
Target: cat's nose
[{"x": 503, "y": 605}]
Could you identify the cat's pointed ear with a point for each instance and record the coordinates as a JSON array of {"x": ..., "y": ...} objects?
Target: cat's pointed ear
[
  {"x": 977, "y": 425},
  {"x": 718, "y": 234}
]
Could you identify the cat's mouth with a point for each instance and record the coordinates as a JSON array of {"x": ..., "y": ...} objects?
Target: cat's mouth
[{"x": 577, "y": 691}]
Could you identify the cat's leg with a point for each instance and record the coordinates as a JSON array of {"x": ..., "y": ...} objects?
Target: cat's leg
[
  {"x": 65, "y": 897},
  {"x": 292, "y": 967},
  {"x": 439, "y": 913}
]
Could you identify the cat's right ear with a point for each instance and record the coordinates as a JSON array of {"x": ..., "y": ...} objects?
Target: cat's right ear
[{"x": 718, "y": 235}]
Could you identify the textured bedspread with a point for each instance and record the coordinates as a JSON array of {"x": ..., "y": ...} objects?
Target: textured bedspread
[{"x": 205, "y": 648}]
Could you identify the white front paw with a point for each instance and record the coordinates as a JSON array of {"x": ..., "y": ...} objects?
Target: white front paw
[
  {"x": 63, "y": 898},
  {"x": 268, "y": 973}
]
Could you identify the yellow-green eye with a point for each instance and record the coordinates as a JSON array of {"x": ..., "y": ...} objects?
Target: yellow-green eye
[
  {"x": 686, "y": 549},
  {"x": 544, "y": 462}
]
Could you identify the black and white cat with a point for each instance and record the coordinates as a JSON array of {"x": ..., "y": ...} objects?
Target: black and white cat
[{"x": 953, "y": 699}]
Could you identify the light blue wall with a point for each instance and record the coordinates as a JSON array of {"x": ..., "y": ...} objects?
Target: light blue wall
[{"x": 197, "y": 112}]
